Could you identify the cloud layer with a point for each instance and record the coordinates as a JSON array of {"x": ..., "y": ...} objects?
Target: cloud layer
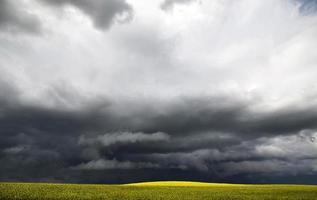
[{"x": 208, "y": 91}]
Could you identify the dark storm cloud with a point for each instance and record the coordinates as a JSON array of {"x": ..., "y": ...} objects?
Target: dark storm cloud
[
  {"x": 278, "y": 156},
  {"x": 211, "y": 136},
  {"x": 194, "y": 115},
  {"x": 13, "y": 18},
  {"x": 102, "y": 164},
  {"x": 102, "y": 12},
  {"x": 169, "y": 4},
  {"x": 180, "y": 118}
]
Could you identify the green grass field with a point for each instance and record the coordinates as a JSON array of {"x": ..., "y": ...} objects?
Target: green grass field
[{"x": 156, "y": 190}]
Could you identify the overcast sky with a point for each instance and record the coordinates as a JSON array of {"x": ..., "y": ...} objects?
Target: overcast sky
[{"x": 115, "y": 91}]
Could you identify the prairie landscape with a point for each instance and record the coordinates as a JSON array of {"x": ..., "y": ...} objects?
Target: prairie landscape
[
  {"x": 157, "y": 190},
  {"x": 134, "y": 99}
]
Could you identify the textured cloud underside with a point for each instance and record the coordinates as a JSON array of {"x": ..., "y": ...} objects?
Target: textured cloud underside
[{"x": 186, "y": 90}]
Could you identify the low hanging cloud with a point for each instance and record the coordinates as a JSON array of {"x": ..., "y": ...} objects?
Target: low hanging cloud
[
  {"x": 283, "y": 155},
  {"x": 103, "y": 13},
  {"x": 123, "y": 138},
  {"x": 15, "y": 19},
  {"x": 265, "y": 167},
  {"x": 103, "y": 164}
]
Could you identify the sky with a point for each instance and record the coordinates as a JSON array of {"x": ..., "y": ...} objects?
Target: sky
[{"x": 118, "y": 91}]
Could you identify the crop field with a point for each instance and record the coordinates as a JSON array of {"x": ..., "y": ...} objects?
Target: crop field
[{"x": 167, "y": 190}]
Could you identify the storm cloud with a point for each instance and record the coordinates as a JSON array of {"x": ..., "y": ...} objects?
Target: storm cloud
[
  {"x": 13, "y": 18},
  {"x": 214, "y": 91}
]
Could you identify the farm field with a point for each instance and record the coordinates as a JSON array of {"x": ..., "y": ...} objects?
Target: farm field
[{"x": 166, "y": 190}]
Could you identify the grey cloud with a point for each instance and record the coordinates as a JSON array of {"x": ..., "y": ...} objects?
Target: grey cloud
[
  {"x": 15, "y": 150},
  {"x": 197, "y": 160},
  {"x": 102, "y": 164},
  {"x": 278, "y": 154},
  {"x": 307, "y": 7},
  {"x": 102, "y": 12},
  {"x": 123, "y": 137},
  {"x": 15, "y": 19},
  {"x": 169, "y": 4},
  {"x": 296, "y": 146},
  {"x": 267, "y": 167},
  {"x": 189, "y": 115}
]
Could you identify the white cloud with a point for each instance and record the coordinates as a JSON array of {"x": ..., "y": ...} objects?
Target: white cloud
[{"x": 242, "y": 49}]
